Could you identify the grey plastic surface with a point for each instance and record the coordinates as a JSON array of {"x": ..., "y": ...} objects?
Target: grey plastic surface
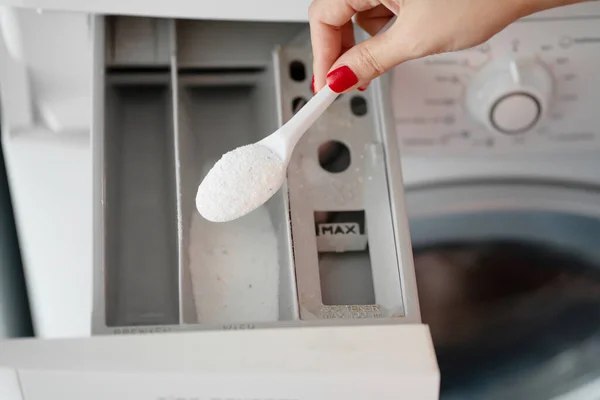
[
  {"x": 136, "y": 41},
  {"x": 361, "y": 187},
  {"x": 160, "y": 120},
  {"x": 346, "y": 278},
  {"x": 224, "y": 44},
  {"x": 141, "y": 286},
  {"x": 215, "y": 117}
]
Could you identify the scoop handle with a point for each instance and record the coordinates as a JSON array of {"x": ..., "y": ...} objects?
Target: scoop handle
[
  {"x": 307, "y": 115},
  {"x": 285, "y": 138}
]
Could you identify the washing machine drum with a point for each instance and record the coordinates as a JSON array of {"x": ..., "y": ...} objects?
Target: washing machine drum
[{"x": 512, "y": 300}]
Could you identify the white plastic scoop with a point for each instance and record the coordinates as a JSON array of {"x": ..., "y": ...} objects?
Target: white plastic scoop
[{"x": 245, "y": 178}]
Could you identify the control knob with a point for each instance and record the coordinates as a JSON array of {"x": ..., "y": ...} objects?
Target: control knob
[{"x": 510, "y": 96}]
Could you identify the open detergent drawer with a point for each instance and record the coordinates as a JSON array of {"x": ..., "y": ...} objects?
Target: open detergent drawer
[{"x": 170, "y": 97}]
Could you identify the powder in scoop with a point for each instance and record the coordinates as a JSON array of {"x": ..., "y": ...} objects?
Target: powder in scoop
[{"x": 241, "y": 181}]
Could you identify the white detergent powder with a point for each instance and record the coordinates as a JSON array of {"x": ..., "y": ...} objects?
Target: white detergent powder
[
  {"x": 241, "y": 181},
  {"x": 235, "y": 269}
]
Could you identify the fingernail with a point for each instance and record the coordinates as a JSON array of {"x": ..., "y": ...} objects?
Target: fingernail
[
  {"x": 362, "y": 89},
  {"x": 312, "y": 85},
  {"x": 341, "y": 79}
]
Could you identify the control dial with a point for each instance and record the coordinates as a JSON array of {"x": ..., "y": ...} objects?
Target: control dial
[{"x": 510, "y": 96}]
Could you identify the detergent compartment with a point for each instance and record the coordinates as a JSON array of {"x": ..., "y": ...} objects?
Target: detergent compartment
[{"x": 170, "y": 98}]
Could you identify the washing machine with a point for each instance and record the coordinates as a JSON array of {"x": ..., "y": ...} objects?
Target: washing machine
[
  {"x": 498, "y": 201},
  {"x": 497, "y": 147}
]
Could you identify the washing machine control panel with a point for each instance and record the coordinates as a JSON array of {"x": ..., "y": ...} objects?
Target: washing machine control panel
[{"x": 534, "y": 86}]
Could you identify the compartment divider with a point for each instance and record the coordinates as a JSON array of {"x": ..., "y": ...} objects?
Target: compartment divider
[
  {"x": 184, "y": 156},
  {"x": 99, "y": 306},
  {"x": 181, "y": 249}
]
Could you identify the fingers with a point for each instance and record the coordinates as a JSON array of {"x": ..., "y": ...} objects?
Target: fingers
[
  {"x": 423, "y": 27},
  {"x": 372, "y": 21},
  {"x": 370, "y": 59},
  {"x": 330, "y": 30},
  {"x": 347, "y": 42},
  {"x": 347, "y": 37},
  {"x": 331, "y": 35}
]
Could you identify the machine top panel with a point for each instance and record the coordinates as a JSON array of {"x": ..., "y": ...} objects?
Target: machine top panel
[{"x": 258, "y": 10}]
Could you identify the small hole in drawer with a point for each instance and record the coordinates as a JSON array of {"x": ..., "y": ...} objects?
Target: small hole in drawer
[
  {"x": 298, "y": 103},
  {"x": 334, "y": 156},
  {"x": 358, "y": 106},
  {"x": 297, "y": 71}
]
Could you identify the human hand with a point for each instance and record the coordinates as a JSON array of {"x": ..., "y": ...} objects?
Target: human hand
[{"x": 422, "y": 28}]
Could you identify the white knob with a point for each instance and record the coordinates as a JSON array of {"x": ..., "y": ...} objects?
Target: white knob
[
  {"x": 510, "y": 96},
  {"x": 515, "y": 112}
]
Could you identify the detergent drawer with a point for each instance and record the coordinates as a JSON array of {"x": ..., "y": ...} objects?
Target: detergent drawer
[
  {"x": 172, "y": 96},
  {"x": 352, "y": 363}
]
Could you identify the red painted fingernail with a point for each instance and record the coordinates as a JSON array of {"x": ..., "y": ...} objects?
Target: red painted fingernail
[
  {"x": 364, "y": 87},
  {"x": 312, "y": 85},
  {"x": 341, "y": 79}
]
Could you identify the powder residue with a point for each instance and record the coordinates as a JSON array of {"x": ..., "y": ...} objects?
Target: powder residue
[
  {"x": 241, "y": 181},
  {"x": 234, "y": 268}
]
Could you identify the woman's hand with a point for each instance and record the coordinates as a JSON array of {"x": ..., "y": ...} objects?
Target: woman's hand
[{"x": 423, "y": 27}]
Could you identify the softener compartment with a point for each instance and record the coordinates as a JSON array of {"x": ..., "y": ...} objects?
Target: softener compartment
[{"x": 171, "y": 96}]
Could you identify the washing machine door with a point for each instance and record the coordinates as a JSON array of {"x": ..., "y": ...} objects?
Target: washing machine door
[{"x": 509, "y": 283}]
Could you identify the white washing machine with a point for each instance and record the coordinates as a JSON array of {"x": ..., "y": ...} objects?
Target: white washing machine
[
  {"x": 499, "y": 149},
  {"x": 500, "y": 164}
]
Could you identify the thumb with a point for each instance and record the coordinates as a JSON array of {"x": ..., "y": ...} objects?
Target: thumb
[{"x": 368, "y": 60}]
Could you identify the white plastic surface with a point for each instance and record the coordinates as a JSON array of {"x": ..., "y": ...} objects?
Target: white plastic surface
[
  {"x": 46, "y": 65},
  {"x": 259, "y": 10},
  {"x": 47, "y": 74},
  {"x": 11, "y": 31},
  {"x": 70, "y": 114},
  {"x": 14, "y": 78},
  {"x": 443, "y": 102},
  {"x": 9, "y": 385},
  {"x": 283, "y": 141},
  {"x": 353, "y": 363},
  {"x": 515, "y": 113},
  {"x": 51, "y": 187},
  {"x": 507, "y": 96}
]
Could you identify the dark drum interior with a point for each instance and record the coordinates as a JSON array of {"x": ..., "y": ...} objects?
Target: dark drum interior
[{"x": 513, "y": 314}]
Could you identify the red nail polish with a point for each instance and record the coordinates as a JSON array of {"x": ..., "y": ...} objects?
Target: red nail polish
[
  {"x": 364, "y": 87},
  {"x": 312, "y": 85},
  {"x": 341, "y": 79}
]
